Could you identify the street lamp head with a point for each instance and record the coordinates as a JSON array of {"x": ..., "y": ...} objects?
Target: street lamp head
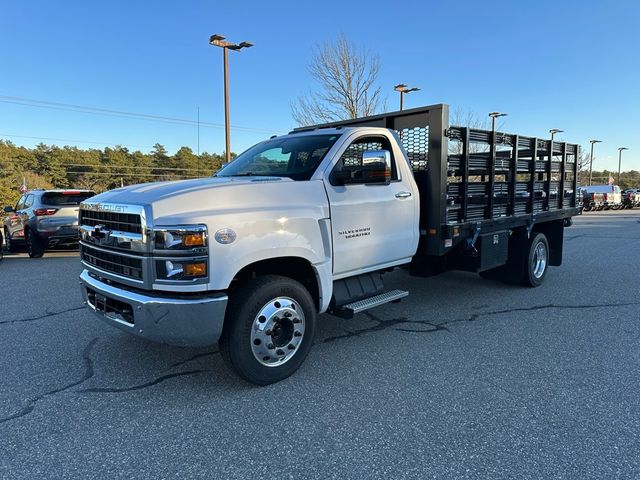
[
  {"x": 555, "y": 130},
  {"x": 216, "y": 37},
  {"x": 622, "y": 148},
  {"x": 595, "y": 141},
  {"x": 402, "y": 88},
  {"x": 497, "y": 114},
  {"x": 239, "y": 46}
]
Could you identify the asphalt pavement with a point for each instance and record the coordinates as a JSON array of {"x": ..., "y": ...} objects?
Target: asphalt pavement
[{"x": 466, "y": 378}]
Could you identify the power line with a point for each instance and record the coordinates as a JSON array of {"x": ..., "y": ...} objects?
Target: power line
[{"x": 29, "y": 102}]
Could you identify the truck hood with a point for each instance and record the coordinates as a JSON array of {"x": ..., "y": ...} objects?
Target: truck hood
[{"x": 189, "y": 200}]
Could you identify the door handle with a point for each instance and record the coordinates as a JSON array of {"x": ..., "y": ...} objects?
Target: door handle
[{"x": 403, "y": 194}]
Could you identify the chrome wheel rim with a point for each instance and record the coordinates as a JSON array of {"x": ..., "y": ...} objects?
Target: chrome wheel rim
[
  {"x": 277, "y": 332},
  {"x": 539, "y": 260}
]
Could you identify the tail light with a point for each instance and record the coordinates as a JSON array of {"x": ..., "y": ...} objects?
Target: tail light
[{"x": 43, "y": 212}]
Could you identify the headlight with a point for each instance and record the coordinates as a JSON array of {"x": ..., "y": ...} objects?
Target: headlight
[
  {"x": 177, "y": 269},
  {"x": 188, "y": 237}
]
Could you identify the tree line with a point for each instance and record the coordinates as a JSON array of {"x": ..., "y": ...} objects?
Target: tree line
[{"x": 50, "y": 166}]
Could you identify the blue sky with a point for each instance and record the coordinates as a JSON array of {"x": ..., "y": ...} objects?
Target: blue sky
[{"x": 573, "y": 65}]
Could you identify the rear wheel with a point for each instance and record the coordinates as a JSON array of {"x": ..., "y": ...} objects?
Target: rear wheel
[
  {"x": 35, "y": 246},
  {"x": 537, "y": 261},
  {"x": 269, "y": 329}
]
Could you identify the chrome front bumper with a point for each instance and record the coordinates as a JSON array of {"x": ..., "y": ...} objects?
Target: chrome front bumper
[{"x": 185, "y": 322}]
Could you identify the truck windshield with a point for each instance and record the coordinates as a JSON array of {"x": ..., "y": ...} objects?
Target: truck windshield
[{"x": 293, "y": 157}]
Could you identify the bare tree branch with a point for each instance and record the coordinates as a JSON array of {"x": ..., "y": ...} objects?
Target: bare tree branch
[{"x": 346, "y": 78}]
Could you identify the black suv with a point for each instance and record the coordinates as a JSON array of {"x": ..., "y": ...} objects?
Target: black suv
[{"x": 44, "y": 218}]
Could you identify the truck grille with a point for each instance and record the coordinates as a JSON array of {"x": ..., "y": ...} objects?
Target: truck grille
[
  {"x": 126, "y": 266},
  {"x": 122, "y": 222}
]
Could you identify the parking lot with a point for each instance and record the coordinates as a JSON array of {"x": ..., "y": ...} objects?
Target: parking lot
[{"x": 466, "y": 378}]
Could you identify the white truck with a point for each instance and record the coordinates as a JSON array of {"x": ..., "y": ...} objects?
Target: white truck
[{"x": 308, "y": 222}]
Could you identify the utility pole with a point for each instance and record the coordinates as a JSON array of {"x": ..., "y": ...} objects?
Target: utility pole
[
  {"x": 402, "y": 89},
  {"x": 218, "y": 40},
  {"x": 620, "y": 149},
  {"x": 593, "y": 142}
]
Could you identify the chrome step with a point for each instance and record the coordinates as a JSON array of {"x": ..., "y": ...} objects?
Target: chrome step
[{"x": 375, "y": 301}]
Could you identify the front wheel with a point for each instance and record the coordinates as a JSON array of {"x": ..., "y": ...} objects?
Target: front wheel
[
  {"x": 269, "y": 329},
  {"x": 537, "y": 261},
  {"x": 11, "y": 246}
]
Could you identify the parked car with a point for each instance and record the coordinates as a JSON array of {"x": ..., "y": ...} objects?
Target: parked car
[
  {"x": 611, "y": 196},
  {"x": 591, "y": 200},
  {"x": 631, "y": 198},
  {"x": 42, "y": 219}
]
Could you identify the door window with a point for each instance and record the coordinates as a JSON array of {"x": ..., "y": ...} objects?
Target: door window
[
  {"x": 28, "y": 201},
  {"x": 20, "y": 204}
]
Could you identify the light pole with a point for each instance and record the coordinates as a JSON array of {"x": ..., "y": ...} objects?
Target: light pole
[
  {"x": 620, "y": 149},
  {"x": 218, "y": 40},
  {"x": 593, "y": 142},
  {"x": 402, "y": 88},
  {"x": 553, "y": 132},
  {"x": 493, "y": 116}
]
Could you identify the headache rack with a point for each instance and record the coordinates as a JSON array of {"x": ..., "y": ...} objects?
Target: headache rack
[{"x": 475, "y": 181}]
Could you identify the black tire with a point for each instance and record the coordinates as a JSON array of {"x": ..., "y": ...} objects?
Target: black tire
[
  {"x": 11, "y": 246},
  {"x": 537, "y": 261},
  {"x": 35, "y": 246},
  {"x": 245, "y": 305}
]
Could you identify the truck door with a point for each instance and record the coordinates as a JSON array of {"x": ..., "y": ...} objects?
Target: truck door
[{"x": 373, "y": 224}]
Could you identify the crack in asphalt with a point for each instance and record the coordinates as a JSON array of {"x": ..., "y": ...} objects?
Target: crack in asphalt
[
  {"x": 31, "y": 402},
  {"x": 443, "y": 326},
  {"x": 573, "y": 237},
  {"x": 379, "y": 325},
  {"x": 141, "y": 386},
  {"x": 40, "y": 317},
  {"x": 191, "y": 359}
]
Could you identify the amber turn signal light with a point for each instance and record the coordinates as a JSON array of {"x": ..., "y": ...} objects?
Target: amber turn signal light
[
  {"x": 194, "y": 269},
  {"x": 193, "y": 240}
]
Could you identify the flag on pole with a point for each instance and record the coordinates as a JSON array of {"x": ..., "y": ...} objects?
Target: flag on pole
[{"x": 23, "y": 187}]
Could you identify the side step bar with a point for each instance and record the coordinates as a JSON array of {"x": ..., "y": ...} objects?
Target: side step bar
[{"x": 349, "y": 310}]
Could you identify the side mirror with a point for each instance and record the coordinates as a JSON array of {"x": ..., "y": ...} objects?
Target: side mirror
[
  {"x": 375, "y": 170},
  {"x": 8, "y": 209}
]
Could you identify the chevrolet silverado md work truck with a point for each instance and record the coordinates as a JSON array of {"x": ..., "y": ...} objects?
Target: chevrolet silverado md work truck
[{"x": 309, "y": 222}]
